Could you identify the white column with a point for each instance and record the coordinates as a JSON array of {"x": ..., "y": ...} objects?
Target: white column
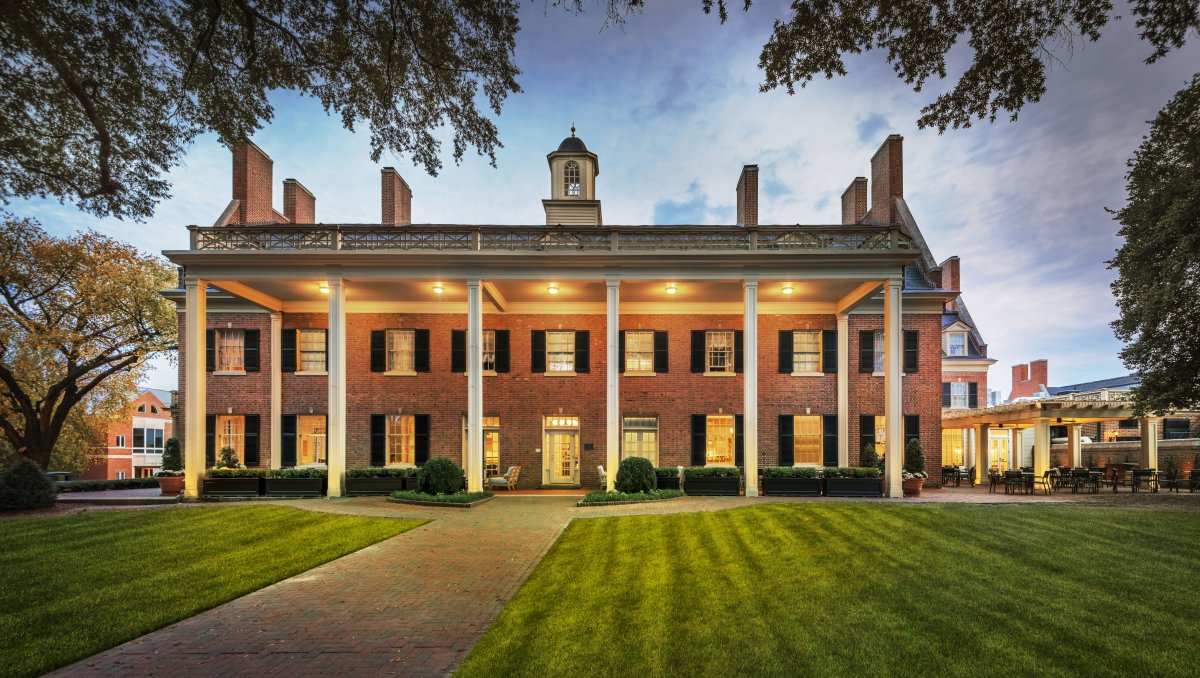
[
  {"x": 1041, "y": 447},
  {"x": 1074, "y": 440},
  {"x": 195, "y": 318},
  {"x": 892, "y": 393},
  {"x": 981, "y": 453},
  {"x": 474, "y": 386},
  {"x": 750, "y": 386},
  {"x": 843, "y": 388},
  {"x": 336, "y": 418},
  {"x": 612, "y": 402},
  {"x": 1149, "y": 451},
  {"x": 276, "y": 389}
]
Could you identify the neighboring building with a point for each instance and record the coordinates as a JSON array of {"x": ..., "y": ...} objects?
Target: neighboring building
[
  {"x": 741, "y": 344},
  {"x": 135, "y": 444},
  {"x": 965, "y": 364},
  {"x": 1029, "y": 381}
]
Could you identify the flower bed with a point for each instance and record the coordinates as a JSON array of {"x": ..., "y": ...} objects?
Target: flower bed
[
  {"x": 614, "y": 498},
  {"x": 458, "y": 499}
]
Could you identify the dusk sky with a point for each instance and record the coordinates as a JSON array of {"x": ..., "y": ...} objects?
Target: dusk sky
[{"x": 670, "y": 103}]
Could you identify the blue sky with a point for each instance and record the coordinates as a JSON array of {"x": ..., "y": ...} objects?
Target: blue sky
[{"x": 670, "y": 103}]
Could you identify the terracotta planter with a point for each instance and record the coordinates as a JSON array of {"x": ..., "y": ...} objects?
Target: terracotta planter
[
  {"x": 912, "y": 487},
  {"x": 170, "y": 486}
]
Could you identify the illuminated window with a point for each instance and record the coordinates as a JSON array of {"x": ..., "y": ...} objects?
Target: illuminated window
[
  {"x": 401, "y": 353},
  {"x": 489, "y": 350},
  {"x": 641, "y": 438},
  {"x": 880, "y": 435},
  {"x": 806, "y": 351},
  {"x": 312, "y": 350},
  {"x": 231, "y": 351},
  {"x": 231, "y": 434},
  {"x": 956, "y": 343},
  {"x": 878, "y": 350},
  {"x": 958, "y": 394},
  {"x": 401, "y": 440},
  {"x": 720, "y": 440},
  {"x": 491, "y": 442},
  {"x": 952, "y": 446},
  {"x": 571, "y": 186},
  {"x": 639, "y": 352},
  {"x": 560, "y": 352},
  {"x": 806, "y": 444},
  {"x": 719, "y": 350},
  {"x": 311, "y": 443}
]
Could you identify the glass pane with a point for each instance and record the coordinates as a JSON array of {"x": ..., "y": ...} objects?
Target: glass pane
[
  {"x": 312, "y": 350},
  {"x": 720, "y": 440},
  {"x": 806, "y": 351},
  {"x": 639, "y": 351},
  {"x": 489, "y": 350},
  {"x": 720, "y": 351},
  {"x": 806, "y": 445},
  {"x": 400, "y": 350},
  {"x": 230, "y": 349},
  {"x": 401, "y": 439},
  {"x": 560, "y": 351}
]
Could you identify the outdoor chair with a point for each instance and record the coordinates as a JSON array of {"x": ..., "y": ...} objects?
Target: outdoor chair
[
  {"x": 1047, "y": 482},
  {"x": 1083, "y": 479},
  {"x": 508, "y": 480},
  {"x": 969, "y": 476},
  {"x": 1014, "y": 482},
  {"x": 1147, "y": 477},
  {"x": 949, "y": 473},
  {"x": 603, "y": 477},
  {"x": 1194, "y": 480},
  {"x": 1169, "y": 480},
  {"x": 994, "y": 480}
]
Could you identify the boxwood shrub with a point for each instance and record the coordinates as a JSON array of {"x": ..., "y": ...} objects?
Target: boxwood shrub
[
  {"x": 454, "y": 498},
  {"x": 790, "y": 472},
  {"x": 24, "y": 485},
  {"x": 236, "y": 473},
  {"x": 635, "y": 474},
  {"x": 382, "y": 472},
  {"x": 712, "y": 472},
  {"x": 666, "y": 472},
  {"x": 629, "y": 497},
  {"x": 306, "y": 472},
  {"x": 440, "y": 476},
  {"x": 102, "y": 485},
  {"x": 852, "y": 472}
]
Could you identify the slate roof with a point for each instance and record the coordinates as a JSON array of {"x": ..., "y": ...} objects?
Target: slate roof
[
  {"x": 164, "y": 396},
  {"x": 1126, "y": 381}
]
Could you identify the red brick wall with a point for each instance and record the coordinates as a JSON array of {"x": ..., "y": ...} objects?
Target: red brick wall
[
  {"x": 887, "y": 180},
  {"x": 252, "y": 184},
  {"x": 299, "y": 205},
  {"x": 854, "y": 201}
]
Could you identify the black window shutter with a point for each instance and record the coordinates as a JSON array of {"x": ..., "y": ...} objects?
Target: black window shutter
[
  {"x": 829, "y": 439},
  {"x": 250, "y": 445},
  {"x": 287, "y": 351},
  {"x": 251, "y": 350},
  {"x": 621, "y": 353},
  {"x": 739, "y": 440},
  {"x": 787, "y": 448},
  {"x": 912, "y": 427},
  {"x": 660, "y": 352},
  {"x": 583, "y": 357},
  {"x": 287, "y": 434},
  {"x": 458, "y": 351},
  {"x": 972, "y": 395},
  {"x": 737, "y": 351},
  {"x": 420, "y": 350},
  {"x": 210, "y": 441},
  {"x": 421, "y": 438},
  {"x": 699, "y": 442},
  {"x": 210, "y": 350},
  {"x": 866, "y": 430},
  {"x": 912, "y": 338},
  {"x": 378, "y": 439},
  {"x": 829, "y": 351},
  {"x": 866, "y": 351},
  {"x": 786, "y": 358},
  {"x": 502, "y": 352},
  {"x": 378, "y": 350},
  {"x": 537, "y": 351},
  {"x": 946, "y": 394},
  {"x": 697, "y": 350}
]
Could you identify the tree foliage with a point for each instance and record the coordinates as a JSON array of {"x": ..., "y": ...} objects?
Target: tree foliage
[
  {"x": 1158, "y": 282},
  {"x": 102, "y": 97},
  {"x": 79, "y": 316}
]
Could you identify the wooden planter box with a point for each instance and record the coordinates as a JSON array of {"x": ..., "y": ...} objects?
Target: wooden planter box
[
  {"x": 792, "y": 487},
  {"x": 232, "y": 487},
  {"x": 671, "y": 483},
  {"x": 375, "y": 486},
  {"x": 712, "y": 487},
  {"x": 854, "y": 487},
  {"x": 295, "y": 487}
]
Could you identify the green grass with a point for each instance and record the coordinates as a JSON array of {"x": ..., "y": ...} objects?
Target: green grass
[
  {"x": 859, "y": 589},
  {"x": 73, "y": 585}
]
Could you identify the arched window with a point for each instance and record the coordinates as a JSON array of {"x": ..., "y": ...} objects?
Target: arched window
[
  {"x": 142, "y": 407},
  {"x": 153, "y": 409},
  {"x": 571, "y": 179}
]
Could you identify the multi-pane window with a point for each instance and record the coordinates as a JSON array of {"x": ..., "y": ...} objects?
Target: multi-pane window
[
  {"x": 958, "y": 394},
  {"x": 806, "y": 351},
  {"x": 231, "y": 350},
  {"x": 401, "y": 440},
  {"x": 560, "y": 351},
  {"x": 639, "y": 352},
  {"x": 641, "y": 437},
  {"x": 312, "y": 350},
  {"x": 491, "y": 443},
  {"x": 571, "y": 187},
  {"x": 120, "y": 441},
  {"x": 719, "y": 351},
  {"x": 147, "y": 440},
  {"x": 878, "y": 350},
  {"x": 230, "y": 433},
  {"x": 401, "y": 352},
  {"x": 952, "y": 446},
  {"x": 956, "y": 344},
  {"x": 720, "y": 440},
  {"x": 310, "y": 431},
  {"x": 489, "y": 350},
  {"x": 806, "y": 439},
  {"x": 880, "y": 435}
]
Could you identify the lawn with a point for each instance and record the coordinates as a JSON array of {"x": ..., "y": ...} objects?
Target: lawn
[
  {"x": 77, "y": 584},
  {"x": 851, "y": 589}
]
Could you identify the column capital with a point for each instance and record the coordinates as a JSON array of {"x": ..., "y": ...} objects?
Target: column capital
[
  {"x": 612, "y": 282},
  {"x": 474, "y": 282},
  {"x": 750, "y": 283}
]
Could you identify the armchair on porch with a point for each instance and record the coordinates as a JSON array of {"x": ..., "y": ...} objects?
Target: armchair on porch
[
  {"x": 508, "y": 480},
  {"x": 603, "y": 477}
]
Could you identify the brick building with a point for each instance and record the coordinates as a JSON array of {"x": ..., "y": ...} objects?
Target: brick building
[
  {"x": 563, "y": 347},
  {"x": 134, "y": 445}
]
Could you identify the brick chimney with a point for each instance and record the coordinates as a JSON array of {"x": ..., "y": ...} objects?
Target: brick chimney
[
  {"x": 1028, "y": 380},
  {"x": 950, "y": 280},
  {"x": 397, "y": 198},
  {"x": 1020, "y": 374},
  {"x": 854, "y": 201},
  {"x": 252, "y": 184},
  {"x": 1038, "y": 370},
  {"x": 299, "y": 204},
  {"x": 887, "y": 180},
  {"x": 747, "y": 196}
]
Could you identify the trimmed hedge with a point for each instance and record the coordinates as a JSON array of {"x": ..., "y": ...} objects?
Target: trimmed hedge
[
  {"x": 312, "y": 472},
  {"x": 455, "y": 498},
  {"x": 24, "y": 485},
  {"x": 103, "y": 485},
  {"x": 440, "y": 476},
  {"x": 852, "y": 472},
  {"x": 712, "y": 472},
  {"x": 635, "y": 475},
  {"x": 666, "y": 472},
  {"x": 629, "y": 497},
  {"x": 791, "y": 472},
  {"x": 382, "y": 472},
  {"x": 236, "y": 473}
]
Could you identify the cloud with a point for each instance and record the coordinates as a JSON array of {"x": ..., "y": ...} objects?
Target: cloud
[
  {"x": 692, "y": 210},
  {"x": 871, "y": 128}
]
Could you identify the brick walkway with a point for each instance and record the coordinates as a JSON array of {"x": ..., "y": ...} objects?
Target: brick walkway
[{"x": 416, "y": 604}]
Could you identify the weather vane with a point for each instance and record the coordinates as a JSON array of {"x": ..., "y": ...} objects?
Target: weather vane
[{"x": 572, "y": 128}]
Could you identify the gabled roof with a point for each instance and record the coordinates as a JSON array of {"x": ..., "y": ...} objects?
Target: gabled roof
[
  {"x": 163, "y": 395},
  {"x": 1127, "y": 381}
]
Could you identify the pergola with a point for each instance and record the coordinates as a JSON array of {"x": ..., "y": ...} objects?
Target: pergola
[{"x": 1071, "y": 411}]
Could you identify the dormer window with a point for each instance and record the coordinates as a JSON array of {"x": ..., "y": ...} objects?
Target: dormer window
[
  {"x": 571, "y": 187},
  {"x": 956, "y": 344}
]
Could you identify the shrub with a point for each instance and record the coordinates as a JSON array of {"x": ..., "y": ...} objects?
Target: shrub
[
  {"x": 852, "y": 472},
  {"x": 666, "y": 472},
  {"x": 790, "y": 472},
  {"x": 914, "y": 457},
  {"x": 236, "y": 473},
  {"x": 228, "y": 459},
  {"x": 305, "y": 472},
  {"x": 382, "y": 472},
  {"x": 454, "y": 498},
  {"x": 24, "y": 485},
  {"x": 636, "y": 474},
  {"x": 627, "y": 498},
  {"x": 172, "y": 460},
  {"x": 103, "y": 485},
  {"x": 440, "y": 476},
  {"x": 869, "y": 457},
  {"x": 712, "y": 472}
]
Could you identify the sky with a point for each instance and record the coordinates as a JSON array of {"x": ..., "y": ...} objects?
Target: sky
[{"x": 670, "y": 102}]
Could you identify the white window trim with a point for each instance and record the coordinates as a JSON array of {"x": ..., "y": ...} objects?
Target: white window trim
[
  {"x": 560, "y": 373},
  {"x": 732, "y": 365},
  {"x": 820, "y": 371},
  {"x": 965, "y": 395},
  {"x": 229, "y": 373},
  {"x": 387, "y": 443},
  {"x": 639, "y": 373},
  {"x": 965, "y": 349},
  {"x": 387, "y": 354}
]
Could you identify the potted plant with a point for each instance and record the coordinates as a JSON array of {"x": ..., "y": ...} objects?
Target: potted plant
[
  {"x": 791, "y": 481},
  {"x": 869, "y": 458},
  {"x": 303, "y": 481},
  {"x": 380, "y": 480},
  {"x": 853, "y": 481},
  {"x": 668, "y": 477},
  {"x": 170, "y": 477},
  {"x": 914, "y": 468},
  {"x": 229, "y": 479},
  {"x": 711, "y": 481}
]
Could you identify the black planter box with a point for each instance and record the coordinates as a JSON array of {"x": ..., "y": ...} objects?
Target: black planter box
[
  {"x": 712, "y": 487},
  {"x": 412, "y": 483},
  {"x": 232, "y": 487},
  {"x": 671, "y": 483},
  {"x": 375, "y": 486},
  {"x": 792, "y": 487},
  {"x": 295, "y": 487},
  {"x": 854, "y": 487}
]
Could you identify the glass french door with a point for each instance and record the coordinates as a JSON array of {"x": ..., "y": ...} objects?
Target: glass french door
[{"x": 564, "y": 459}]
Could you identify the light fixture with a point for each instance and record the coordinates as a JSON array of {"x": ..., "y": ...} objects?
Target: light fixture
[
  {"x": 438, "y": 289},
  {"x": 552, "y": 288},
  {"x": 787, "y": 288},
  {"x": 324, "y": 287},
  {"x": 671, "y": 288}
]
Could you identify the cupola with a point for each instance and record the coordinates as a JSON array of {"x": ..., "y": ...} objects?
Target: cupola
[{"x": 573, "y": 172}]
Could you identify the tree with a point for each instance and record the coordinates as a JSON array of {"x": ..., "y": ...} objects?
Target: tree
[
  {"x": 103, "y": 97},
  {"x": 79, "y": 316},
  {"x": 1158, "y": 282}
]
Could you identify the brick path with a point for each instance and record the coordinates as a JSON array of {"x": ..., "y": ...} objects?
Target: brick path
[{"x": 416, "y": 604}]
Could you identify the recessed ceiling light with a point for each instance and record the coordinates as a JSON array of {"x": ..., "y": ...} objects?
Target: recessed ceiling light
[
  {"x": 787, "y": 288},
  {"x": 324, "y": 287},
  {"x": 438, "y": 289},
  {"x": 552, "y": 288},
  {"x": 671, "y": 289}
]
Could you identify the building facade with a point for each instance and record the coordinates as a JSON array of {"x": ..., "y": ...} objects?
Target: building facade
[
  {"x": 561, "y": 347},
  {"x": 134, "y": 445}
]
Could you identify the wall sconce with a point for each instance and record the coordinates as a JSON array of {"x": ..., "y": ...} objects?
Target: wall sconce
[{"x": 324, "y": 287}]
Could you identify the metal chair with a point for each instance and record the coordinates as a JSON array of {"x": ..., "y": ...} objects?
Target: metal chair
[
  {"x": 1047, "y": 481},
  {"x": 1147, "y": 477}
]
